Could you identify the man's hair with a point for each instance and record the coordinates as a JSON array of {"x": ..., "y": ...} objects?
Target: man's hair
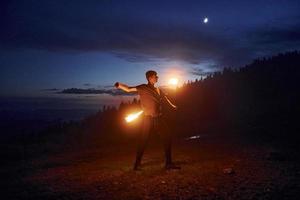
[{"x": 150, "y": 73}]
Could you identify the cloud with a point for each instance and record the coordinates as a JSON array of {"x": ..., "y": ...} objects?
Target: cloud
[
  {"x": 113, "y": 92},
  {"x": 148, "y": 42},
  {"x": 91, "y": 27},
  {"x": 272, "y": 38},
  {"x": 51, "y": 89},
  {"x": 288, "y": 36},
  {"x": 200, "y": 72},
  {"x": 132, "y": 39}
]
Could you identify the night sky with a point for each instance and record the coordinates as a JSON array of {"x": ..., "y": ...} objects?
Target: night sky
[{"x": 48, "y": 46}]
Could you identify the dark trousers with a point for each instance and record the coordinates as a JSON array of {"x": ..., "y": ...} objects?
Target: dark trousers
[{"x": 152, "y": 125}]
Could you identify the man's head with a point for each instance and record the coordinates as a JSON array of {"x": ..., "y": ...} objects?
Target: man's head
[{"x": 151, "y": 76}]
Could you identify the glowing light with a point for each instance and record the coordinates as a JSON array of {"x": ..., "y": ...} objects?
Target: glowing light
[
  {"x": 133, "y": 116},
  {"x": 205, "y": 20},
  {"x": 173, "y": 81},
  {"x": 193, "y": 137}
]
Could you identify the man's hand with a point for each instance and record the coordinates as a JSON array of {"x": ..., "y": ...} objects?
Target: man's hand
[{"x": 117, "y": 84}]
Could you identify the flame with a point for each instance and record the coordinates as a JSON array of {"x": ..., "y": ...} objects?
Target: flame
[
  {"x": 133, "y": 116},
  {"x": 173, "y": 81}
]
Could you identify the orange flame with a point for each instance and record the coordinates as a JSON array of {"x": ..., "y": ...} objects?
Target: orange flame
[{"x": 133, "y": 116}]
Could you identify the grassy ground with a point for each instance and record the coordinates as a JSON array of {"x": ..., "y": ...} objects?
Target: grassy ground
[{"x": 211, "y": 169}]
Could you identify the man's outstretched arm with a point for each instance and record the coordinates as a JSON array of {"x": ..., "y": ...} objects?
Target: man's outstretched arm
[{"x": 125, "y": 87}]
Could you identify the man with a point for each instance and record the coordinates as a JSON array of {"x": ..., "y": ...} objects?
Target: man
[{"x": 153, "y": 102}]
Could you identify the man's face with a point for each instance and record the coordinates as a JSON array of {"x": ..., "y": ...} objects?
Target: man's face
[{"x": 153, "y": 79}]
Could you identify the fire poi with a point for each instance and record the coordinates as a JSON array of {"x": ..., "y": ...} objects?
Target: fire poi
[{"x": 131, "y": 117}]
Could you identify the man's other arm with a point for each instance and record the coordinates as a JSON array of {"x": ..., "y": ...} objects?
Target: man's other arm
[
  {"x": 171, "y": 104},
  {"x": 168, "y": 101},
  {"x": 125, "y": 87}
]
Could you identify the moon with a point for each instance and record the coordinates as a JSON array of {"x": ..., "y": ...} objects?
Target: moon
[{"x": 205, "y": 20}]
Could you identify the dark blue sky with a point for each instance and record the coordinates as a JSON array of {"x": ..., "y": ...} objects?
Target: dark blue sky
[{"x": 92, "y": 44}]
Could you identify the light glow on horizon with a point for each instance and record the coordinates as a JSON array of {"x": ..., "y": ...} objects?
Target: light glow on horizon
[{"x": 173, "y": 81}]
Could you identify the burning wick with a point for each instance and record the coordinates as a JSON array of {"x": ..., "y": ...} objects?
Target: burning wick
[{"x": 133, "y": 116}]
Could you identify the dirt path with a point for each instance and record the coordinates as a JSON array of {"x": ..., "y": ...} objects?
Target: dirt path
[{"x": 210, "y": 170}]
